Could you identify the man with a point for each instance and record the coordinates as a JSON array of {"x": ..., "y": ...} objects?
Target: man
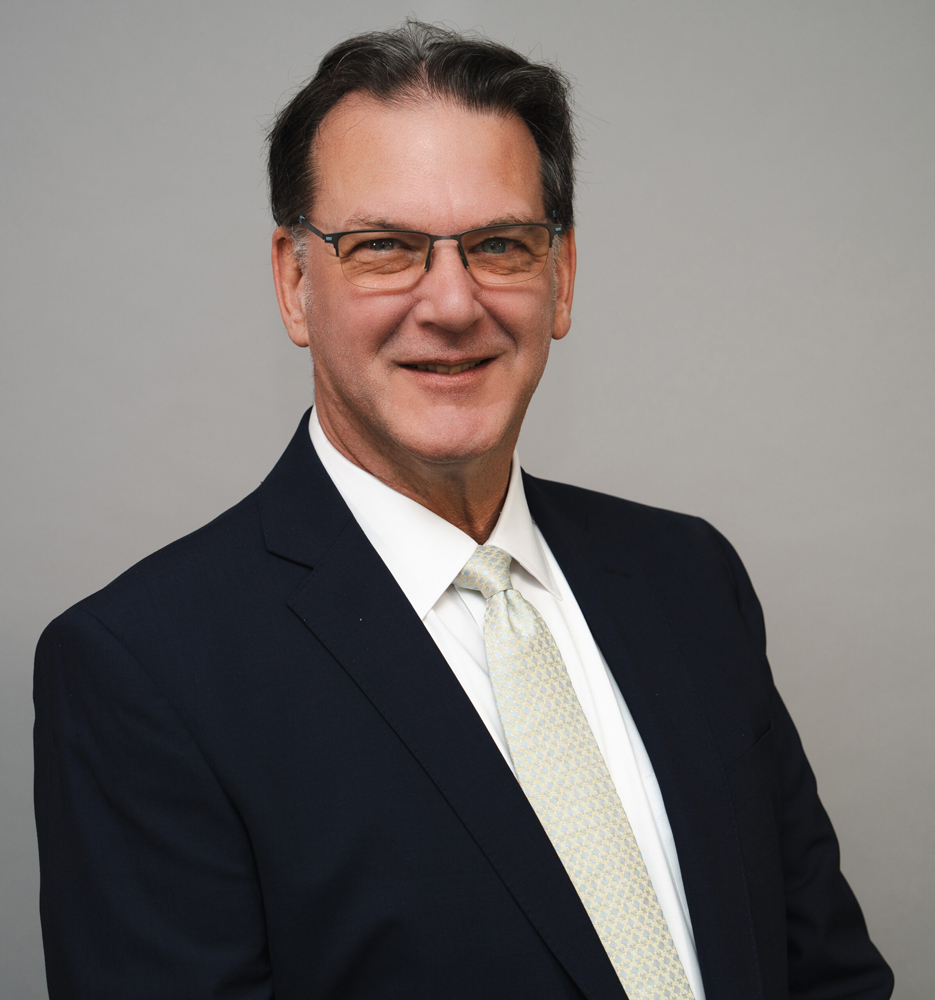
[{"x": 406, "y": 722}]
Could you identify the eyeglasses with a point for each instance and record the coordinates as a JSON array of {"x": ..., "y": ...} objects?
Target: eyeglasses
[{"x": 396, "y": 259}]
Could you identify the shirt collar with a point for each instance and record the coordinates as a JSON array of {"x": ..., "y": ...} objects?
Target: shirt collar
[
  {"x": 423, "y": 551},
  {"x": 516, "y": 533}
]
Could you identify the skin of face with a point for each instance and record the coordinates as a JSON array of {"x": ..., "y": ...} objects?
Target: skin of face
[{"x": 446, "y": 440}]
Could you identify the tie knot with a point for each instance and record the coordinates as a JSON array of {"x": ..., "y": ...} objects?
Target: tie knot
[{"x": 488, "y": 571}]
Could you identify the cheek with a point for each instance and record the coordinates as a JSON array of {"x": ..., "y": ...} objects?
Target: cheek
[
  {"x": 527, "y": 317},
  {"x": 537, "y": 342},
  {"x": 345, "y": 325}
]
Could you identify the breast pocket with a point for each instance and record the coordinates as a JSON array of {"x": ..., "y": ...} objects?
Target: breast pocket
[{"x": 752, "y": 771}]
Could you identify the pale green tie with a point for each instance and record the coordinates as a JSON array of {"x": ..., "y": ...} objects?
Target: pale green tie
[{"x": 564, "y": 776}]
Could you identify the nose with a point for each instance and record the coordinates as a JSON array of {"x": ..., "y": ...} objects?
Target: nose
[{"x": 447, "y": 291}]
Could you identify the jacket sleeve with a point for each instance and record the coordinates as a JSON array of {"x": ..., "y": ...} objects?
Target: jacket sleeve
[
  {"x": 148, "y": 884},
  {"x": 830, "y": 954}
]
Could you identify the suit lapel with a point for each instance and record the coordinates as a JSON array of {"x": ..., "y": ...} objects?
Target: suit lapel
[
  {"x": 653, "y": 676},
  {"x": 352, "y": 604}
]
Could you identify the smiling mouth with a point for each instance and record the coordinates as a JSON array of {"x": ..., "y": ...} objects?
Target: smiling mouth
[{"x": 447, "y": 369}]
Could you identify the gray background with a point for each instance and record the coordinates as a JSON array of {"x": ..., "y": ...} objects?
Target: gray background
[{"x": 753, "y": 341}]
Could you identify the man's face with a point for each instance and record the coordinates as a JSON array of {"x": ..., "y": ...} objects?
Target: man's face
[{"x": 438, "y": 168}]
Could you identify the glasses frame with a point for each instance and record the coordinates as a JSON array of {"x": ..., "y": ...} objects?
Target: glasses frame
[{"x": 553, "y": 229}]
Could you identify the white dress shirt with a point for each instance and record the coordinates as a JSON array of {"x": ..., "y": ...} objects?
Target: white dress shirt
[{"x": 425, "y": 553}]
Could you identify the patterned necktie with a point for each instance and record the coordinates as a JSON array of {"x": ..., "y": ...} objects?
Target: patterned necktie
[{"x": 564, "y": 776}]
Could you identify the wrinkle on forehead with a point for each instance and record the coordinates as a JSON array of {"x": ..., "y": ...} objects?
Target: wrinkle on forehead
[
  {"x": 371, "y": 223},
  {"x": 360, "y": 117}
]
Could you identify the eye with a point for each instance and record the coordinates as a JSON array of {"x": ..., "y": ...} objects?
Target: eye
[
  {"x": 494, "y": 244},
  {"x": 375, "y": 244},
  {"x": 384, "y": 244}
]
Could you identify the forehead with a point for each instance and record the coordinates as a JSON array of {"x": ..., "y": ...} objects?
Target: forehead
[{"x": 426, "y": 163}]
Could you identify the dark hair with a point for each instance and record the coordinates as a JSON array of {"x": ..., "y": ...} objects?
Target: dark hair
[{"x": 418, "y": 59}]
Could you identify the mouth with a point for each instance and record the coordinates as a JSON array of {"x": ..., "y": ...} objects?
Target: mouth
[{"x": 440, "y": 369}]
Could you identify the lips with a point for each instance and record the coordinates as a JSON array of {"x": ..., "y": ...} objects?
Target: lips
[{"x": 441, "y": 369}]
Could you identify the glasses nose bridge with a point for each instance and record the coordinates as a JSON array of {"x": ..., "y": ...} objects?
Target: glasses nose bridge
[{"x": 456, "y": 238}]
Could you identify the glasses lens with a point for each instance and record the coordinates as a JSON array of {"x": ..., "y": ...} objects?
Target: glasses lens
[
  {"x": 501, "y": 255},
  {"x": 383, "y": 259}
]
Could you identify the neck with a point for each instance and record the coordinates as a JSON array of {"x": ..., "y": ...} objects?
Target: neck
[{"x": 469, "y": 494}]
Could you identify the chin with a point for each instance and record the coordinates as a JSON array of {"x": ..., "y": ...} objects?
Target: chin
[{"x": 455, "y": 438}]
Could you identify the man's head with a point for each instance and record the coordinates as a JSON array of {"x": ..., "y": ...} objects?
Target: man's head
[{"x": 422, "y": 129}]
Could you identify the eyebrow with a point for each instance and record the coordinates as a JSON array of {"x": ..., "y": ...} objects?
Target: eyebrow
[{"x": 386, "y": 225}]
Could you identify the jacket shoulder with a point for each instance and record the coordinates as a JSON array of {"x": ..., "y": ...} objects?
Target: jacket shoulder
[
  {"x": 681, "y": 555},
  {"x": 178, "y": 581},
  {"x": 620, "y": 519},
  {"x": 242, "y": 567}
]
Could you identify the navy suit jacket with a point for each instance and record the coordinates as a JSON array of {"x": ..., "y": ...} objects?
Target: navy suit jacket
[{"x": 257, "y": 777}]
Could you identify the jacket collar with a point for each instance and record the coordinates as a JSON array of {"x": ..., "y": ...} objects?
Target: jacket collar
[{"x": 301, "y": 510}]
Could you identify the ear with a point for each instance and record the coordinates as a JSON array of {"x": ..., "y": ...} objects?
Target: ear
[
  {"x": 565, "y": 284},
  {"x": 290, "y": 282}
]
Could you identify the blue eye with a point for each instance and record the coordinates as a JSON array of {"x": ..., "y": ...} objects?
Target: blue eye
[{"x": 495, "y": 244}]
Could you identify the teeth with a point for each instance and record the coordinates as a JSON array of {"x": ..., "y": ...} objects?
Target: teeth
[{"x": 445, "y": 370}]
